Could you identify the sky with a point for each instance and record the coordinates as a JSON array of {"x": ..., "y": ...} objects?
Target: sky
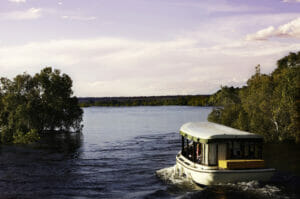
[{"x": 147, "y": 47}]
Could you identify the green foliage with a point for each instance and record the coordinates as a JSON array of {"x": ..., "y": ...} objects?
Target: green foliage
[
  {"x": 268, "y": 105},
  {"x": 192, "y": 100},
  {"x": 24, "y": 138},
  {"x": 229, "y": 105},
  {"x": 29, "y": 105}
]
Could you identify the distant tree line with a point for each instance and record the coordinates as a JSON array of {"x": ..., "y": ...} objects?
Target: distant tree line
[
  {"x": 268, "y": 105},
  {"x": 30, "y": 105},
  {"x": 188, "y": 100}
]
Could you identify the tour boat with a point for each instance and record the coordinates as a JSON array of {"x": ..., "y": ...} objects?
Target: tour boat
[{"x": 216, "y": 154}]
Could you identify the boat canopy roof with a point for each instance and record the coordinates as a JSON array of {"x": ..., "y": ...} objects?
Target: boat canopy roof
[{"x": 207, "y": 132}]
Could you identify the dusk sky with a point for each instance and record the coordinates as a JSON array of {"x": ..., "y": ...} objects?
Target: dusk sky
[{"x": 147, "y": 47}]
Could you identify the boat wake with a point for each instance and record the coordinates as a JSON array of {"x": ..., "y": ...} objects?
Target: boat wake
[
  {"x": 257, "y": 188},
  {"x": 251, "y": 189},
  {"x": 170, "y": 176}
]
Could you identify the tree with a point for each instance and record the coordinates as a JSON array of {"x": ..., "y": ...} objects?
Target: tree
[
  {"x": 255, "y": 99},
  {"x": 228, "y": 106},
  {"x": 286, "y": 97},
  {"x": 31, "y": 105},
  {"x": 269, "y": 105}
]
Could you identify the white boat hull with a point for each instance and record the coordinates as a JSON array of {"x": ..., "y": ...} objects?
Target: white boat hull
[{"x": 205, "y": 175}]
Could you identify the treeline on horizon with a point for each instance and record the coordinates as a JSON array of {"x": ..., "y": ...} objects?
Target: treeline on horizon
[
  {"x": 268, "y": 105},
  {"x": 184, "y": 100}
]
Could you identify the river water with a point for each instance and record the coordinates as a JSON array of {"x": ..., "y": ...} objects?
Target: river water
[{"x": 117, "y": 156}]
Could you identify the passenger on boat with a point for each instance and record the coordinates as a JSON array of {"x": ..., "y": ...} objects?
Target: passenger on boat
[{"x": 198, "y": 154}]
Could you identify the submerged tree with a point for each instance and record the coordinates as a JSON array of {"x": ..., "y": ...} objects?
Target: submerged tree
[{"x": 30, "y": 105}]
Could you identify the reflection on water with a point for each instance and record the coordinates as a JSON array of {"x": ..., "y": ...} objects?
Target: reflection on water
[
  {"x": 117, "y": 156},
  {"x": 62, "y": 142},
  {"x": 39, "y": 170}
]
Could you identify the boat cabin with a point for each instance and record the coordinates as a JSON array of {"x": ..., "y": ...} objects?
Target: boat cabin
[{"x": 214, "y": 145}]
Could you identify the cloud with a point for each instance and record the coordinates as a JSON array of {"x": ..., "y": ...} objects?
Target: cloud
[
  {"x": 79, "y": 18},
  {"x": 217, "y": 6},
  {"x": 291, "y": 1},
  {"x": 191, "y": 62},
  {"x": 32, "y": 13},
  {"x": 263, "y": 34},
  {"x": 17, "y": 1},
  {"x": 107, "y": 66},
  {"x": 291, "y": 30}
]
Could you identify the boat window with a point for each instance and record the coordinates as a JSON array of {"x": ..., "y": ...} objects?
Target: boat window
[
  {"x": 244, "y": 150},
  {"x": 187, "y": 149},
  {"x": 199, "y": 153},
  {"x": 237, "y": 149},
  {"x": 194, "y": 151},
  {"x": 251, "y": 150},
  {"x": 209, "y": 154}
]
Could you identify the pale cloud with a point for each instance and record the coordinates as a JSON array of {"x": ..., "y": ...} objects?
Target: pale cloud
[
  {"x": 79, "y": 18},
  {"x": 290, "y": 29},
  {"x": 32, "y": 13},
  {"x": 217, "y": 6},
  {"x": 17, "y": 1},
  {"x": 291, "y": 1},
  {"x": 263, "y": 34},
  {"x": 121, "y": 67}
]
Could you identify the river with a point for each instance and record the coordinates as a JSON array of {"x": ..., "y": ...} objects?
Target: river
[{"x": 117, "y": 156}]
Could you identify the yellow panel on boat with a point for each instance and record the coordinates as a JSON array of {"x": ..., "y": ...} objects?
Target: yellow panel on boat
[{"x": 241, "y": 164}]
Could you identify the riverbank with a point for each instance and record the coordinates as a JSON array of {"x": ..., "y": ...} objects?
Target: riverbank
[{"x": 179, "y": 100}]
